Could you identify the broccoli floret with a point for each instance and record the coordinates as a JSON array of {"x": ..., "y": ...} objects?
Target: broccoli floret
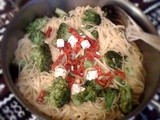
[
  {"x": 36, "y": 24},
  {"x": 94, "y": 32},
  {"x": 125, "y": 102},
  {"x": 88, "y": 95},
  {"x": 42, "y": 57},
  {"x": 109, "y": 95},
  {"x": 90, "y": 16},
  {"x": 62, "y": 32},
  {"x": 94, "y": 85},
  {"x": 36, "y": 37},
  {"x": 59, "y": 93},
  {"x": 113, "y": 59},
  {"x": 78, "y": 98}
]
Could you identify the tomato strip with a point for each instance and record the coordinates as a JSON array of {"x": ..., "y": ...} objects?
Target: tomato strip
[
  {"x": 48, "y": 32},
  {"x": 70, "y": 81},
  {"x": 41, "y": 96},
  {"x": 120, "y": 73},
  {"x": 58, "y": 61}
]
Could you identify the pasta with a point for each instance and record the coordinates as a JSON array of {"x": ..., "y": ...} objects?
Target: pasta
[{"x": 32, "y": 81}]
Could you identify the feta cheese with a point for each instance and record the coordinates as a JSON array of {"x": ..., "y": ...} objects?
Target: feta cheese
[
  {"x": 91, "y": 75},
  {"x": 72, "y": 40},
  {"x": 76, "y": 88},
  {"x": 60, "y": 72},
  {"x": 60, "y": 43},
  {"x": 85, "y": 44}
]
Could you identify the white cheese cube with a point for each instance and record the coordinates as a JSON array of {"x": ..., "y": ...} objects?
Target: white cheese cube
[
  {"x": 72, "y": 40},
  {"x": 60, "y": 72},
  {"x": 76, "y": 88},
  {"x": 85, "y": 44},
  {"x": 91, "y": 75},
  {"x": 60, "y": 43}
]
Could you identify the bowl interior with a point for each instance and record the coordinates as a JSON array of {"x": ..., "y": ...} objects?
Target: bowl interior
[{"x": 39, "y": 8}]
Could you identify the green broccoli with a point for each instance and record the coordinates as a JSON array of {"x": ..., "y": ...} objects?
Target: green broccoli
[
  {"x": 59, "y": 93},
  {"x": 88, "y": 95},
  {"x": 63, "y": 32},
  {"x": 94, "y": 85},
  {"x": 120, "y": 80},
  {"x": 109, "y": 94},
  {"x": 37, "y": 37},
  {"x": 94, "y": 32},
  {"x": 125, "y": 102},
  {"x": 78, "y": 99},
  {"x": 113, "y": 59},
  {"x": 42, "y": 57},
  {"x": 36, "y": 24},
  {"x": 90, "y": 16}
]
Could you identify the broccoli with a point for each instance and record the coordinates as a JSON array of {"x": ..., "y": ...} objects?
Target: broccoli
[
  {"x": 120, "y": 80},
  {"x": 113, "y": 59},
  {"x": 36, "y": 25},
  {"x": 90, "y": 16},
  {"x": 42, "y": 57},
  {"x": 94, "y": 32},
  {"x": 88, "y": 95},
  {"x": 109, "y": 94},
  {"x": 62, "y": 32},
  {"x": 125, "y": 102},
  {"x": 36, "y": 37},
  {"x": 60, "y": 12},
  {"x": 59, "y": 93},
  {"x": 94, "y": 85},
  {"x": 78, "y": 99}
]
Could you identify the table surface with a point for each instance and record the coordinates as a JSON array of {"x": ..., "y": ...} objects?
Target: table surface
[{"x": 11, "y": 109}]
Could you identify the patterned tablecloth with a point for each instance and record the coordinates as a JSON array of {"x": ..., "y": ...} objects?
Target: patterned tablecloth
[{"x": 11, "y": 109}]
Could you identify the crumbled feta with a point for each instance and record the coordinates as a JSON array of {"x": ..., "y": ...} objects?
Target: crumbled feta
[
  {"x": 60, "y": 43},
  {"x": 76, "y": 88},
  {"x": 60, "y": 72},
  {"x": 91, "y": 75},
  {"x": 85, "y": 44},
  {"x": 72, "y": 40}
]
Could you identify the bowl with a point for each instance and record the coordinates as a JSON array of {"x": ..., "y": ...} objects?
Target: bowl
[{"x": 40, "y": 8}]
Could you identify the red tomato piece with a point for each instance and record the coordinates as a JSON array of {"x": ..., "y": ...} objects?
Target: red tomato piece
[
  {"x": 120, "y": 73},
  {"x": 58, "y": 61},
  {"x": 41, "y": 96},
  {"x": 106, "y": 80},
  {"x": 48, "y": 32},
  {"x": 70, "y": 81},
  {"x": 74, "y": 33}
]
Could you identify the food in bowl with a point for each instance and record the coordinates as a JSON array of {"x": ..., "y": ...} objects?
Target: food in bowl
[{"x": 79, "y": 65}]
